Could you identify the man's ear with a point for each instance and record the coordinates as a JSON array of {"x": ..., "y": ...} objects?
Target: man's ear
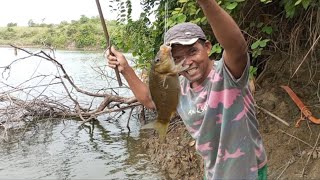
[{"x": 208, "y": 46}]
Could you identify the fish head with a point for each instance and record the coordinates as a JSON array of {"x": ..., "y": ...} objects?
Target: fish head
[{"x": 163, "y": 63}]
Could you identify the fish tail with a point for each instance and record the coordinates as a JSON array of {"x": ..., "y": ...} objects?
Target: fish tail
[{"x": 162, "y": 128}]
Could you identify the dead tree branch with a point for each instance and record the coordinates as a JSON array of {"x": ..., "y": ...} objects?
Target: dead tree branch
[{"x": 33, "y": 100}]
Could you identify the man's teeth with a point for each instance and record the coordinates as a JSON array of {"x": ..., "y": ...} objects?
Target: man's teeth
[{"x": 192, "y": 70}]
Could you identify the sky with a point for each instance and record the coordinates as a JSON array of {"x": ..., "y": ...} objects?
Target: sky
[{"x": 55, "y": 11}]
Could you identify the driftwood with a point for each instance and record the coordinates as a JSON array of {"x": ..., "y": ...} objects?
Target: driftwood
[{"x": 38, "y": 105}]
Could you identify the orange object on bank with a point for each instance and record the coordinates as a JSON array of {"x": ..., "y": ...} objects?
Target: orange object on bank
[{"x": 306, "y": 113}]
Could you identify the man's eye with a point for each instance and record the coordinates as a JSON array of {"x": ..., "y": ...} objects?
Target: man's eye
[{"x": 192, "y": 52}]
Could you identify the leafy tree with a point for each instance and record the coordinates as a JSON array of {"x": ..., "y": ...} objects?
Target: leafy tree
[
  {"x": 11, "y": 24},
  {"x": 258, "y": 19},
  {"x": 84, "y": 19},
  {"x": 8, "y": 34},
  {"x": 86, "y": 36},
  {"x": 63, "y": 23},
  {"x": 31, "y": 23}
]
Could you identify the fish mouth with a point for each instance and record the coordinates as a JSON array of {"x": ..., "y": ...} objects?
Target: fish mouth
[{"x": 191, "y": 70}]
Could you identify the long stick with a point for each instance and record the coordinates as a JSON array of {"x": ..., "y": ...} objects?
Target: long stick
[
  {"x": 295, "y": 138},
  {"x": 104, "y": 26},
  {"x": 272, "y": 115},
  {"x": 305, "y": 57}
]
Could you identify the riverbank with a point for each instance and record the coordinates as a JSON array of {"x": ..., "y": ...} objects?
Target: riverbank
[{"x": 177, "y": 157}]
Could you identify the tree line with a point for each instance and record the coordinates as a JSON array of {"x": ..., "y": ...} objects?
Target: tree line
[{"x": 85, "y": 33}]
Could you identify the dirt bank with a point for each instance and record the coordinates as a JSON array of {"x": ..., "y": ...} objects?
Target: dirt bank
[{"x": 288, "y": 148}]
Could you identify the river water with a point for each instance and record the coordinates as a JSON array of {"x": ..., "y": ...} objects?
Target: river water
[{"x": 63, "y": 149}]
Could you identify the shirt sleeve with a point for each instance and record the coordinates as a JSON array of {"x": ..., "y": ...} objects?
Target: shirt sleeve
[{"x": 240, "y": 82}]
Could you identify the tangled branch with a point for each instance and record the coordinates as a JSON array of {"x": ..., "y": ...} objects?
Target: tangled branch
[{"x": 22, "y": 102}]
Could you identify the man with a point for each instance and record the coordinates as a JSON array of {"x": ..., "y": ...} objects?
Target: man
[{"x": 215, "y": 103}]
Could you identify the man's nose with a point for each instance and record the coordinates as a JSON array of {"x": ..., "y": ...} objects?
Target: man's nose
[{"x": 187, "y": 60}]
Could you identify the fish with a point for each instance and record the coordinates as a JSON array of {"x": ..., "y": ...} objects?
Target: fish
[{"x": 164, "y": 88}]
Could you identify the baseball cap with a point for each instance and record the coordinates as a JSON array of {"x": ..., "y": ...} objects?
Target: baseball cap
[{"x": 184, "y": 34}]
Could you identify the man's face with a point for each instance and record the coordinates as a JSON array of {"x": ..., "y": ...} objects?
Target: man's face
[{"x": 195, "y": 57}]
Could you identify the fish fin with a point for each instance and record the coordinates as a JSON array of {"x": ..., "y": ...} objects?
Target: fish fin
[
  {"x": 162, "y": 129},
  {"x": 164, "y": 83}
]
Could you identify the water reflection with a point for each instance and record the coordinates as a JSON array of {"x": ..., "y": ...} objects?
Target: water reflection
[{"x": 72, "y": 150}]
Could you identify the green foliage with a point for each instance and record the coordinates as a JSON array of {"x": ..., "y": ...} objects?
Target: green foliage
[
  {"x": 8, "y": 33},
  {"x": 10, "y": 29},
  {"x": 83, "y": 19},
  {"x": 252, "y": 72},
  {"x": 267, "y": 29},
  {"x": 85, "y": 33},
  {"x": 266, "y": 1},
  {"x": 216, "y": 48},
  {"x": 11, "y": 24},
  {"x": 85, "y": 36},
  {"x": 258, "y": 46},
  {"x": 31, "y": 23},
  {"x": 142, "y": 47},
  {"x": 293, "y": 6},
  {"x": 28, "y": 34},
  {"x": 124, "y": 9}
]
